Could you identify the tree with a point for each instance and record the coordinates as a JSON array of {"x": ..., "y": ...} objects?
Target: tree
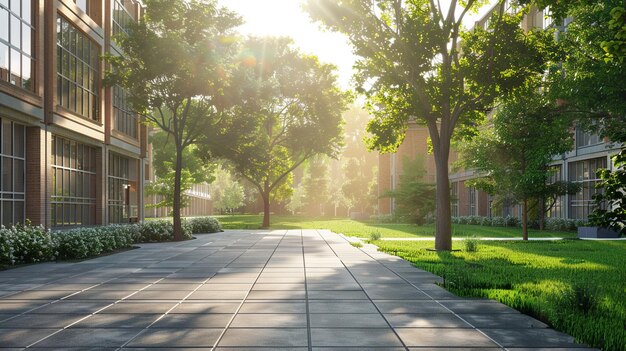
[
  {"x": 316, "y": 186},
  {"x": 296, "y": 107},
  {"x": 175, "y": 67},
  {"x": 588, "y": 82},
  {"x": 410, "y": 67},
  {"x": 227, "y": 194},
  {"x": 514, "y": 155},
  {"x": 356, "y": 186},
  {"x": 194, "y": 170}
]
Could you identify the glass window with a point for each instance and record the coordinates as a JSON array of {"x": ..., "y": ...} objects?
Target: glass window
[
  {"x": 124, "y": 119},
  {"x": 73, "y": 202},
  {"x": 122, "y": 200},
  {"x": 79, "y": 60},
  {"x": 122, "y": 18},
  {"x": 16, "y": 44},
  {"x": 584, "y": 173},
  {"x": 12, "y": 172}
]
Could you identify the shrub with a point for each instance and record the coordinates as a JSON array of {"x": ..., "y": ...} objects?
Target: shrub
[
  {"x": 87, "y": 242},
  {"x": 498, "y": 221},
  {"x": 375, "y": 236},
  {"x": 200, "y": 225},
  {"x": 485, "y": 221},
  {"x": 32, "y": 244},
  {"x": 512, "y": 221},
  {"x": 470, "y": 244},
  {"x": 474, "y": 220},
  {"x": 356, "y": 244},
  {"x": 159, "y": 231}
]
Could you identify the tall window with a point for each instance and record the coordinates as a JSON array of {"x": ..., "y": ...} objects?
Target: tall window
[
  {"x": 472, "y": 201},
  {"x": 584, "y": 173},
  {"x": 74, "y": 183},
  {"x": 454, "y": 198},
  {"x": 121, "y": 17},
  {"x": 78, "y": 71},
  {"x": 586, "y": 139},
  {"x": 16, "y": 43},
  {"x": 12, "y": 142},
  {"x": 124, "y": 119},
  {"x": 119, "y": 188}
]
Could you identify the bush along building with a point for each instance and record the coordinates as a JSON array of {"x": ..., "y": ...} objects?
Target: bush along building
[
  {"x": 72, "y": 150},
  {"x": 589, "y": 153}
]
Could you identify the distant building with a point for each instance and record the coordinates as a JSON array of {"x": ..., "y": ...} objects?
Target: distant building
[{"x": 72, "y": 151}]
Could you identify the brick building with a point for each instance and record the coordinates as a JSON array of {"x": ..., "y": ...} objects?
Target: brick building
[{"x": 72, "y": 151}]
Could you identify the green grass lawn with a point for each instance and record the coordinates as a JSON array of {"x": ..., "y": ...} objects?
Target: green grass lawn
[
  {"x": 387, "y": 230},
  {"x": 576, "y": 286}
]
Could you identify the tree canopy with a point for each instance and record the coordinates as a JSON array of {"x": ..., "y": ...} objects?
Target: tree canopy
[
  {"x": 175, "y": 67},
  {"x": 416, "y": 62},
  {"x": 293, "y": 108}
]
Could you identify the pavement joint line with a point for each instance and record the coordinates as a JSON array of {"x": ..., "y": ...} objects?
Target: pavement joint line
[
  {"x": 306, "y": 294},
  {"x": 221, "y": 336},
  {"x": 432, "y": 298},
  {"x": 361, "y": 286},
  {"x": 91, "y": 314},
  {"x": 55, "y": 301},
  {"x": 181, "y": 301}
]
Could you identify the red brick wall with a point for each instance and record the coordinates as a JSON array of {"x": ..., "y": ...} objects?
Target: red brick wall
[{"x": 38, "y": 177}]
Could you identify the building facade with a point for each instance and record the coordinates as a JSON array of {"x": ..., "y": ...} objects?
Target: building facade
[{"x": 72, "y": 150}]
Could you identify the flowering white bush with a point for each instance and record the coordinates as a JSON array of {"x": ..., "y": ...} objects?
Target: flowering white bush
[{"x": 26, "y": 244}]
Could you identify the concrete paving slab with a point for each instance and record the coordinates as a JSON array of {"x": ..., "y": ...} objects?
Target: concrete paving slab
[
  {"x": 282, "y": 320},
  {"x": 254, "y": 290},
  {"x": 83, "y": 338},
  {"x": 176, "y": 337},
  {"x": 438, "y": 337},
  {"x": 265, "y": 337},
  {"x": 383, "y": 337},
  {"x": 347, "y": 320},
  {"x": 425, "y": 320}
]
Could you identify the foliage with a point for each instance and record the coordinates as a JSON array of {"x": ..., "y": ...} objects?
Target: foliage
[
  {"x": 362, "y": 229},
  {"x": 161, "y": 230},
  {"x": 375, "y": 235},
  {"x": 356, "y": 244},
  {"x": 514, "y": 155},
  {"x": 610, "y": 210},
  {"x": 25, "y": 244},
  {"x": 316, "y": 186},
  {"x": 471, "y": 244},
  {"x": 410, "y": 67},
  {"x": 175, "y": 67},
  {"x": 28, "y": 244},
  {"x": 227, "y": 193},
  {"x": 296, "y": 108},
  {"x": 194, "y": 170},
  {"x": 550, "y": 281},
  {"x": 203, "y": 225},
  {"x": 590, "y": 84},
  {"x": 415, "y": 198}
]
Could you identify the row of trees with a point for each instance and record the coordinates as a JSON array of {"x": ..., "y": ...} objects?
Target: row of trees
[
  {"x": 259, "y": 103},
  {"x": 418, "y": 62}
]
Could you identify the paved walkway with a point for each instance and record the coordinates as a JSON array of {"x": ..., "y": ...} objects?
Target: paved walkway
[{"x": 253, "y": 290}]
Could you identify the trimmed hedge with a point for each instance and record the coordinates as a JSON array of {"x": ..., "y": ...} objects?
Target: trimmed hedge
[
  {"x": 556, "y": 224},
  {"x": 200, "y": 225},
  {"x": 29, "y": 244}
]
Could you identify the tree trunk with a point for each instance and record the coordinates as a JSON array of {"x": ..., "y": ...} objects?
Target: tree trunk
[
  {"x": 443, "y": 227},
  {"x": 178, "y": 228},
  {"x": 266, "y": 210},
  {"x": 542, "y": 213},
  {"x": 525, "y": 219}
]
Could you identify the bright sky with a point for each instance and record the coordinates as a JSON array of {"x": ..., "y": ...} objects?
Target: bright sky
[{"x": 287, "y": 18}]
